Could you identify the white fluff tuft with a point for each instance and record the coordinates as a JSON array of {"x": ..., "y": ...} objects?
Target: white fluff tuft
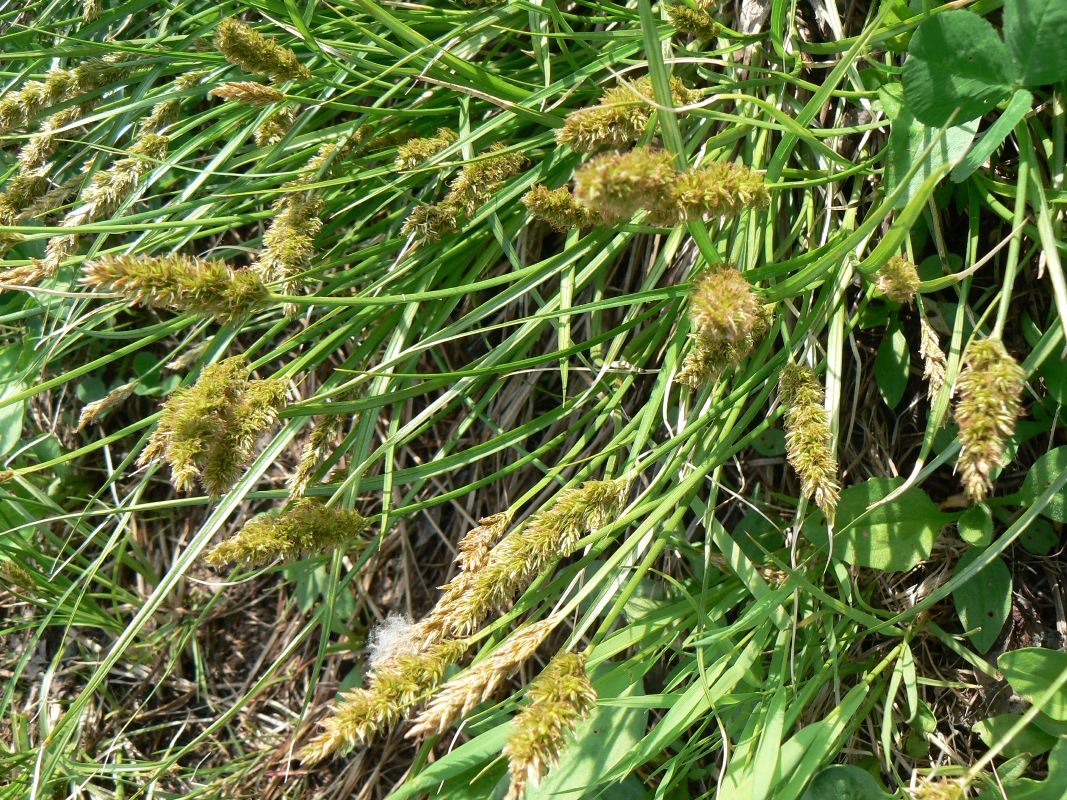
[{"x": 391, "y": 638}]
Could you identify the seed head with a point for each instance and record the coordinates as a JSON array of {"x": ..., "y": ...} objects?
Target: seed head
[
  {"x": 711, "y": 357},
  {"x": 307, "y": 527},
  {"x": 933, "y": 360},
  {"x": 179, "y": 282},
  {"x": 248, "y": 92},
  {"x": 275, "y": 127},
  {"x": 718, "y": 189},
  {"x": 474, "y": 547},
  {"x": 898, "y": 280},
  {"x": 315, "y": 452},
  {"x": 560, "y": 698},
  {"x": 522, "y": 555},
  {"x": 257, "y": 54},
  {"x": 479, "y": 180},
  {"x": 619, "y": 119},
  {"x": 92, "y": 411},
  {"x": 724, "y": 306},
  {"x": 289, "y": 242},
  {"x": 207, "y": 432},
  {"x": 558, "y": 208},
  {"x": 808, "y": 437},
  {"x": 697, "y": 22},
  {"x": 392, "y": 688},
  {"x": 23, "y": 189},
  {"x": 477, "y": 684},
  {"x": 413, "y": 152},
  {"x": 159, "y": 118},
  {"x": 989, "y": 393},
  {"x": 618, "y": 185}
]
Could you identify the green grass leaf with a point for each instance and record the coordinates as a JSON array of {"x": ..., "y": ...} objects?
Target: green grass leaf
[
  {"x": 1003, "y": 125},
  {"x": 957, "y": 60}
]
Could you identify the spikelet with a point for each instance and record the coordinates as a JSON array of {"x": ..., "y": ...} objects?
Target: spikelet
[
  {"x": 207, "y": 432},
  {"x": 938, "y": 789},
  {"x": 91, "y": 10},
  {"x": 474, "y": 547},
  {"x": 9, "y": 240},
  {"x": 49, "y": 202},
  {"x": 413, "y": 152},
  {"x": 110, "y": 187},
  {"x": 288, "y": 243},
  {"x": 479, "y": 180},
  {"x": 469, "y": 191},
  {"x": 41, "y": 145},
  {"x": 257, "y": 54},
  {"x": 807, "y": 437},
  {"x": 314, "y": 453},
  {"x": 248, "y": 92},
  {"x": 275, "y": 127},
  {"x": 306, "y": 528},
  {"x": 619, "y": 119},
  {"x": 724, "y": 307},
  {"x": 618, "y": 185},
  {"x": 718, "y": 189},
  {"x": 989, "y": 393},
  {"x": 19, "y": 107},
  {"x": 933, "y": 360},
  {"x": 711, "y": 357},
  {"x": 697, "y": 22},
  {"x": 392, "y": 688},
  {"x": 558, "y": 208},
  {"x": 179, "y": 282},
  {"x": 524, "y": 554},
  {"x": 560, "y": 698},
  {"x": 23, "y": 190},
  {"x": 159, "y": 118},
  {"x": 430, "y": 223},
  {"x": 92, "y": 411},
  {"x": 480, "y": 682},
  {"x": 898, "y": 279}
]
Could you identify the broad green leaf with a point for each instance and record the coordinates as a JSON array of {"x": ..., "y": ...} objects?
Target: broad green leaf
[
  {"x": 1041, "y": 475},
  {"x": 844, "y": 782},
  {"x": 1040, "y": 537},
  {"x": 975, "y": 526},
  {"x": 1035, "y": 32},
  {"x": 1052, "y": 788},
  {"x": 467, "y": 756},
  {"x": 894, "y": 537},
  {"x": 1003, "y": 125},
  {"x": 956, "y": 60},
  {"x": 1031, "y": 670},
  {"x": 1030, "y": 739},
  {"x": 1054, "y": 375},
  {"x": 984, "y": 602},
  {"x": 909, "y": 139},
  {"x": 11, "y": 417},
  {"x": 891, "y": 366}
]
